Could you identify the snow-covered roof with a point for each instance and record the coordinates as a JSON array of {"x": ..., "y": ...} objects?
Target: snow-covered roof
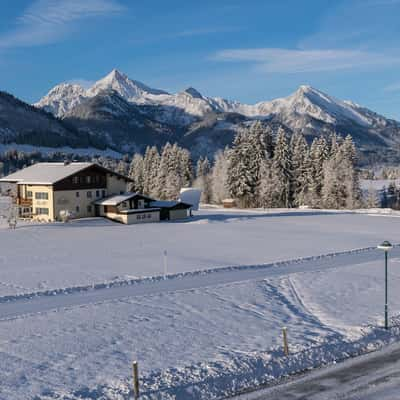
[
  {"x": 46, "y": 173},
  {"x": 167, "y": 203},
  {"x": 139, "y": 210},
  {"x": 119, "y": 198}
]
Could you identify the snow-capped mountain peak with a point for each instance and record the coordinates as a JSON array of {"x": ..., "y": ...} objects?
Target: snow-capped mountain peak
[
  {"x": 127, "y": 88},
  {"x": 306, "y": 110},
  {"x": 307, "y": 101},
  {"x": 62, "y": 98},
  {"x": 193, "y": 93}
]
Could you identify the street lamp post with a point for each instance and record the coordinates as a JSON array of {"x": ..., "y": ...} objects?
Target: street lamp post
[{"x": 386, "y": 246}]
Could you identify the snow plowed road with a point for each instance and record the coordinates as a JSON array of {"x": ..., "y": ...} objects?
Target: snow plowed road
[
  {"x": 370, "y": 377},
  {"x": 39, "y": 303}
]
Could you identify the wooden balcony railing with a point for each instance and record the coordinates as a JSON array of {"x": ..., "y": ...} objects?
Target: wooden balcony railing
[{"x": 24, "y": 202}]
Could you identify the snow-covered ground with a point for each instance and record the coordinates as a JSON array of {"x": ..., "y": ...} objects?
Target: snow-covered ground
[
  {"x": 196, "y": 336},
  {"x": 41, "y": 257}
]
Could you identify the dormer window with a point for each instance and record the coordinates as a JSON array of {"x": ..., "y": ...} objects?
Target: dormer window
[
  {"x": 75, "y": 180},
  {"x": 88, "y": 179}
]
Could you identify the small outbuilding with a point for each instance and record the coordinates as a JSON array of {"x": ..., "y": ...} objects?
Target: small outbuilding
[
  {"x": 136, "y": 208},
  {"x": 128, "y": 208},
  {"x": 171, "y": 210},
  {"x": 229, "y": 203}
]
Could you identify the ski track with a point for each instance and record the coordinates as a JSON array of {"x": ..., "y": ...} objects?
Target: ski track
[{"x": 12, "y": 307}]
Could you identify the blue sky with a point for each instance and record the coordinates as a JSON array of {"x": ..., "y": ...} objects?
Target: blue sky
[{"x": 244, "y": 50}]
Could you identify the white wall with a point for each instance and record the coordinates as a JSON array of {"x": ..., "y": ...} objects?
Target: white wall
[
  {"x": 135, "y": 218},
  {"x": 67, "y": 200},
  {"x": 138, "y": 218},
  {"x": 115, "y": 185}
]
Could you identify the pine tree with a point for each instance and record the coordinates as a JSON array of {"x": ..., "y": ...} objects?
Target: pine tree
[
  {"x": 372, "y": 200},
  {"x": 281, "y": 171},
  {"x": 341, "y": 187},
  {"x": 163, "y": 171},
  {"x": 151, "y": 164},
  {"x": 244, "y": 165},
  {"x": 174, "y": 171},
  {"x": 122, "y": 168},
  {"x": 186, "y": 168},
  {"x": 136, "y": 173},
  {"x": 318, "y": 154},
  {"x": 353, "y": 190},
  {"x": 269, "y": 197},
  {"x": 203, "y": 179},
  {"x": 300, "y": 167},
  {"x": 174, "y": 178},
  {"x": 219, "y": 177}
]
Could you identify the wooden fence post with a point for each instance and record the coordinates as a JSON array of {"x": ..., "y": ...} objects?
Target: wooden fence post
[
  {"x": 135, "y": 380},
  {"x": 165, "y": 264},
  {"x": 285, "y": 341}
]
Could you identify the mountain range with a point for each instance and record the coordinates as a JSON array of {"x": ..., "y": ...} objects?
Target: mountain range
[{"x": 126, "y": 115}]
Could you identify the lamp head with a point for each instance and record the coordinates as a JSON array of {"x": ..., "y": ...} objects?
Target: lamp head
[{"x": 386, "y": 246}]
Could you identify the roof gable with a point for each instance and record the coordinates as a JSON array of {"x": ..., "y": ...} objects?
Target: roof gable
[
  {"x": 48, "y": 173},
  {"x": 119, "y": 198}
]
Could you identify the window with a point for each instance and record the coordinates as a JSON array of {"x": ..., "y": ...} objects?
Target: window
[
  {"x": 124, "y": 204},
  {"x": 41, "y": 196},
  {"x": 77, "y": 209},
  {"x": 121, "y": 192},
  {"x": 89, "y": 209},
  {"x": 77, "y": 194},
  {"x": 88, "y": 179},
  {"x": 103, "y": 193},
  {"x": 97, "y": 193},
  {"x": 89, "y": 194},
  {"x": 29, "y": 194},
  {"x": 42, "y": 211},
  {"x": 149, "y": 216},
  {"x": 138, "y": 216},
  {"x": 75, "y": 180}
]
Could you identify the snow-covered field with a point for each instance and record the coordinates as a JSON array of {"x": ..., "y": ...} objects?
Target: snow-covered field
[
  {"x": 196, "y": 336},
  {"x": 41, "y": 257}
]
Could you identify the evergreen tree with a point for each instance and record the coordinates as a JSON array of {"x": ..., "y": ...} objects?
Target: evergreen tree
[
  {"x": 136, "y": 173},
  {"x": 372, "y": 200},
  {"x": 122, "y": 168},
  {"x": 281, "y": 171},
  {"x": 244, "y": 165},
  {"x": 174, "y": 178},
  {"x": 186, "y": 168},
  {"x": 163, "y": 171},
  {"x": 269, "y": 197},
  {"x": 151, "y": 164},
  {"x": 203, "y": 179},
  {"x": 219, "y": 177},
  {"x": 353, "y": 190},
  {"x": 341, "y": 184},
  {"x": 300, "y": 168},
  {"x": 318, "y": 154}
]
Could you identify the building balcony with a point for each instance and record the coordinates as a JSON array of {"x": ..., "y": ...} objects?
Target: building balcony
[{"x": 24, "y": 202}]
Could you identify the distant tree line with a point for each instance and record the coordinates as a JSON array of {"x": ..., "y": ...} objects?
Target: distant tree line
[{"x": 263, "y": 168}]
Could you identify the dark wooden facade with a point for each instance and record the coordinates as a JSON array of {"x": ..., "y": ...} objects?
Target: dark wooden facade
[
  {"x": 164, "y": 211},
  {"x": 134, "y": 201},
  {"x": 93, "y": 177}
]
